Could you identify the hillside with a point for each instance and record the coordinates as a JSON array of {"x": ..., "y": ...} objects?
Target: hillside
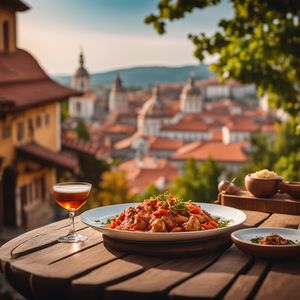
[{"x": 145, "y": 76}]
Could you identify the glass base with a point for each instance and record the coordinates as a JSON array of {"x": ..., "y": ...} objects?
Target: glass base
[{"x": 72, "y": 238}]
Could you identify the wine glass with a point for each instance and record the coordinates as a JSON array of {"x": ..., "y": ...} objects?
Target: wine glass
[{"x": 71, "y": 196}]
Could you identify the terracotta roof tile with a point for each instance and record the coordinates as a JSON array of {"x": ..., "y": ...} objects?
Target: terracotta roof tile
[
  {"x": 23, "y": 81},
  {"x": 100, "y": 151},
  {"x": 43, "y": 155},
  {"x": 141, "y": 173},
  {"x": 163, "y": 143},
  {"x": 218, "y": 151}
]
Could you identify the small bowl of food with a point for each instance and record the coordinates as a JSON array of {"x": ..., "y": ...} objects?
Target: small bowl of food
[
  {"x": 263, "y": 184},
  {"x": 270, "y": 243},
  {"x": 291, "y": 188}
]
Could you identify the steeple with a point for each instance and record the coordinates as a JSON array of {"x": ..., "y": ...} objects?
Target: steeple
[
  {"x": 118, "y": 95},
  {"x": 81, "y": 78},
  {"x": 81, "y": 58}
]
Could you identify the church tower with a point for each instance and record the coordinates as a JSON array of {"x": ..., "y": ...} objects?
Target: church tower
[
  {"x": 191, "y": 99},
  {"x": 117, "y": 96},
  {"x": 81, "y": 78}
]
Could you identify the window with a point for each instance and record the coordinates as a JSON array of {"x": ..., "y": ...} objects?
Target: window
[
  {"x": 38, "y": 121},
  {"x": 6, "y": 131},
  {"x": 20, "y": 132},
  {"x": 78, "y": 107},
  {"x": 5, "y": 36},
  {"x": 30, "y": 126},
  {"x": 47, "y": 119}
]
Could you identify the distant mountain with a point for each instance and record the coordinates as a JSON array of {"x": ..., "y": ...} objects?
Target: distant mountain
[{"x": 145, "y": 76}]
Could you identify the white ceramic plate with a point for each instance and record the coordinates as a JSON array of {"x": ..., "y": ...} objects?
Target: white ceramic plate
[{"x": 97, "y": 217}]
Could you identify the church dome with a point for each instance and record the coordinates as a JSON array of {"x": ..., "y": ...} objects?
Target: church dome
[
  {"x": 81, "y": 72},
  {"x": 154, "y": 107},
  {"x": 190, "y": 88}
]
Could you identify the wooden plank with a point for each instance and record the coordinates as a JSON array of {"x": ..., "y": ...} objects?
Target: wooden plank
[
  {"x": 42, "y": 241},
  {"x": 58, "y": 251},
  {"x": 53, "y": 280},
  {"x": 282, "y": 282},
  {"x": 212, "y": 282},
  {"x": 280, "y": 203},
  {"x": 91, "y": 285},
  {"x": 254, "y": 218},
  {"x": 246, "y": 284},
  {"x": 155, "y": 282},
  {"x": 5, "y": 250},
  {"x": 282, "y": 220}
]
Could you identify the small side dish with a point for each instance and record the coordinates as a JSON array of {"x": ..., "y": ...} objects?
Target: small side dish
[
  {"x": 165, "y": 213},
  {"x": 268, "y": 242},
  {"x": 273, "y": 239}
]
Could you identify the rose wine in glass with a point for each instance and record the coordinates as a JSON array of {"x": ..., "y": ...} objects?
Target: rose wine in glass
[{"x": 71, "y": 196}]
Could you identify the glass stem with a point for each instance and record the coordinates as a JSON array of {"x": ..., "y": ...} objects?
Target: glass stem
[{"x": 72, "y": 226}]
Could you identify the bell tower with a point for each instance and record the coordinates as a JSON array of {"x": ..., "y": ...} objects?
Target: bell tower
[{"x": 8, "y": 35}]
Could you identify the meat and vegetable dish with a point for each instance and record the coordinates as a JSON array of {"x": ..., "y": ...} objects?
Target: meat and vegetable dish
[
  {"x": 272, "y": 239},
  {"x": 165, "y": 213}
]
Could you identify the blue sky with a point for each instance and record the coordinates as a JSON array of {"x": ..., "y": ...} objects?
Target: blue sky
[{"x": 111, "y": 33}]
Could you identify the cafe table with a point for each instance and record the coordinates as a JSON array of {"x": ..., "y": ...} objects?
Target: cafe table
[{"x": 39, "y": 267}]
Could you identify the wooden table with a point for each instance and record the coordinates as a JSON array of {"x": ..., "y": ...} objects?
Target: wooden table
[{"x": 41, "y": 268}]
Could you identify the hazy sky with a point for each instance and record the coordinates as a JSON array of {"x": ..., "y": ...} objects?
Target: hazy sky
[{"x": 111, "y": 33}]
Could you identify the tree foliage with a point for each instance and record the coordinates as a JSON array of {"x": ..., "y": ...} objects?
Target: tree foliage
[
  {"x": 259, "y": 44},
  {"x": 281, "y": 154},
  {"x": 114, "y": 188},
  {"x": 81, "y": 131},
  {"x": 198, "y": 183}
]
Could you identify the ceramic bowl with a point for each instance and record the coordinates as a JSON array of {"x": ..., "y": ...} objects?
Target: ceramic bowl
[
  {"x": 242, "y": 239},
  {"x": 262, "y": 187}
]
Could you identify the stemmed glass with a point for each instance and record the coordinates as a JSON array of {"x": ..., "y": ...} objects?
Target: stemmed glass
[{"x": 71, "y": 196}]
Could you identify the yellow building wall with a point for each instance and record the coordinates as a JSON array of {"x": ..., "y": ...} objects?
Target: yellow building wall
[
  {"x": 46, "y": 135},
  {"x": 7, "y": 14},
  {"x": 38, "y": 211}
]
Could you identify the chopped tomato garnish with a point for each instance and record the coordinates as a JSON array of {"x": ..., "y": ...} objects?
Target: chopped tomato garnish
[
  {"x": 195, "y": 209},
  {"x": 160, "y": 212}
]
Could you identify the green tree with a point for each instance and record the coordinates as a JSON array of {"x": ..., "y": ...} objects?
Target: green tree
[
  {"x": 259, "y": 44},
  {"x": 114, "y": 188},
  {"x": 81, "y": 131},
  {"x": 198, "y": 183},
  {"x": 281, "y": 154},
  {"x": 64, "y": 110}
]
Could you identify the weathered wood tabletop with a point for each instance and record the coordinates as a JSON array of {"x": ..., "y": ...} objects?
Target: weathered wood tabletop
[{"x": 41, "y": 268}]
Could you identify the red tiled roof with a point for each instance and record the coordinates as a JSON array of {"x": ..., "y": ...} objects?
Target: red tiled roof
[
  {"x": 45, "y": 156},
  {"x": 216, "y": 135},
  {"x": 163, "y": 143},
  {"x": 141, "y": 173},
  {"x": 118, "y": 128},
  {"x": 243, "y": 126},
  {"x": 268, "y": 128},
  {"x": 23, "y": 81},
  {"x": 100, "y": 151},
  {"x": 186, "y": 125},
  {"x": 91, "y": 95},
  {"x": 218, "y": 151},
  {"x": 215, "y": 81}
]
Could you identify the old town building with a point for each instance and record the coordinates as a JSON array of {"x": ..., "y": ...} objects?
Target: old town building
[{"x": 30, "y": 146}]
